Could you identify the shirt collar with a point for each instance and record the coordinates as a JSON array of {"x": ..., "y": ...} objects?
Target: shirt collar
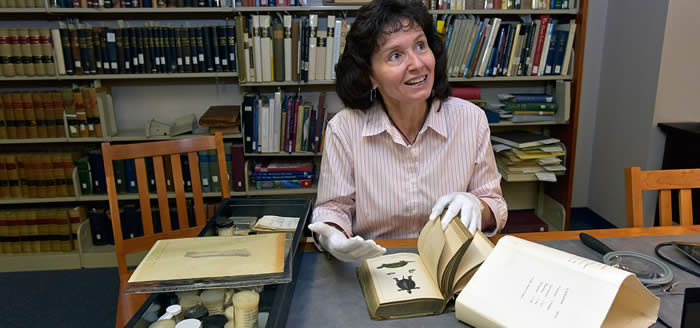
[{"x": 377, "y": 121}]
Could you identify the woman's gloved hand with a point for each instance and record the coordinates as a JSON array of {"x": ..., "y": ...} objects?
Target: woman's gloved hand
[
  {"x": 468, "y": 205},
  {"x": 345, "y": 249}
]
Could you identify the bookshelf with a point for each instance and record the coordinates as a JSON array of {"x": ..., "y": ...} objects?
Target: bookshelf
[{"x": 551, "y": 199}]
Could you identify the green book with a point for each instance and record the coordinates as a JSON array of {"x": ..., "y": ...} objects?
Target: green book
[
  {"x": 84, "y": 177},
  {"x": 514, "y": 107}
]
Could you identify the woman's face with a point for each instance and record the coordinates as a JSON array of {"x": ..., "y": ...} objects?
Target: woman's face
[{"x": 403, "y": 66}]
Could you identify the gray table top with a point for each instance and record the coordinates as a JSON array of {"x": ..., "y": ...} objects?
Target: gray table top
[{"x": 328, "y": 294}]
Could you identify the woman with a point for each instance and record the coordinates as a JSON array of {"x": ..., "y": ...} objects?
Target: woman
[{"x": 402, "y": 142}]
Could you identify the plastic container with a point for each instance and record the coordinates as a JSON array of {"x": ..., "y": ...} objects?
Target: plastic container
[
  {"x": 224, "y": 226},
  {"x": 245, "y": 305}
]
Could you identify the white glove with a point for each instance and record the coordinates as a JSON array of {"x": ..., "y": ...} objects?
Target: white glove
[
  {"x": 347, "y": 250},
  {"x": 465, "y": 203}
]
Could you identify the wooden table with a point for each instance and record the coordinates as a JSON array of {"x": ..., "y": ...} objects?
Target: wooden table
[{"x": 130, "y": 304}]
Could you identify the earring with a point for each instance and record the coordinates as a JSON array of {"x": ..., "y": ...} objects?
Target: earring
[{"x": 372, "y": 95}]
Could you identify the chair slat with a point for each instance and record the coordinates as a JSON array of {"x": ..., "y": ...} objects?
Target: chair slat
[
  {"x": 686, "y": 206},
  {"x": 162, "y": 191},
  {"x": 199, "y": 214},
  {"x": 114, "y": 206},
  {"x": 162, "y": 148},
  {"x": 665, "y": 208},
  {"x": 144, "y": 196},
  {"x": 633, "y": 194},
  {"x": 223, "y": 171},
  {"x": 179, "y": 191}
]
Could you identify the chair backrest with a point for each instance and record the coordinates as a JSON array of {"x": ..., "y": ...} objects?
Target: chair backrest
[
  {"x": 157, "y": 150},
  {"x": 664, "y": 181}
]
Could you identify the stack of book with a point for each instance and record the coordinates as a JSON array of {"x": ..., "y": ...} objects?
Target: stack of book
[
  {"x": 528, "y": 156},
  {"x": 224, "y": 119},
  {"x": 36, "y": 230},
  {"x": 289, "y": 49},
  {"x": 270, "y": 3},
  {"x": 284, "y": 123},
  {"x": 528, "y": 107},
  {"x": 83, "y": 49},
  {"x": 35, "y": 175},
  {"x": 494, "y": 4},
  {"x": 26, "y": 52},
  {"x": 491, "y": 47},
  {"x": 282, "y": 174},
  {"x": 138, "y": 3},
  {"x": 89, "y": 112}
]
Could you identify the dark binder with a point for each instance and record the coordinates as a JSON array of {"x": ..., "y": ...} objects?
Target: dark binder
[
  {"x": 67, "y": 51},
  {"x": 231, "y": 45},
  {"x": 248, "y": 128}
]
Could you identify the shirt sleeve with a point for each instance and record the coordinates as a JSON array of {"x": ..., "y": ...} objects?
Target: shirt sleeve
[
  {"x": 335, "y": 201},
  {"x": 486, "y": 181}
]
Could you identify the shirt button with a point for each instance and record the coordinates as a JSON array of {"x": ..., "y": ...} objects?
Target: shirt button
[
  {"x": 414, "y": 212},
  {"x": 413, "y": 180}
]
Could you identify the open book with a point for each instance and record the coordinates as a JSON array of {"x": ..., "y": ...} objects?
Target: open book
[
  {"x": 525, "y": 284},
  {"x": 409, "y": 285}
]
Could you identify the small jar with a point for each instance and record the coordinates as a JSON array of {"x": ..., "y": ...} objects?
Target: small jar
[
  {"x": 245, "y": 304},
  {"x": 229, "y": 313},
  {"x": 176, "y": 312},
  {"x": 213, "y": 299},
  {"x": 189, "y": 301},
  {"x": 224, "y": 226},
  {"x": 189, "y": 323},
  {"x": 196, "y": 312}
]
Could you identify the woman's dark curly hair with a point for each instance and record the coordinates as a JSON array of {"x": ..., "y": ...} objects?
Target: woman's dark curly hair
[{"x": 373, "y": 20}]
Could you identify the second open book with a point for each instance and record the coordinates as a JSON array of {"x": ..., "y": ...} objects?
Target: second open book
[{"x": 408, "y": 284}]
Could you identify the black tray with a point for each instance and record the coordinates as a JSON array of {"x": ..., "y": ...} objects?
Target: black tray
[{"x": 275, "y": 299}]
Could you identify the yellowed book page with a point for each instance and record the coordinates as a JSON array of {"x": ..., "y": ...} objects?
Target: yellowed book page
[
  {"x": 526, "y": 284},
  {"x": 477, "y": 252},
  {"x": 456, "y": 235},
  {"x": 400, "y": 277},
  {"x": 189, "y": 258},
  {"x": 431, "y": 240}
]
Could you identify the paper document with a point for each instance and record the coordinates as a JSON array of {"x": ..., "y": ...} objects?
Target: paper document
[{"x": 524, "y": 284}]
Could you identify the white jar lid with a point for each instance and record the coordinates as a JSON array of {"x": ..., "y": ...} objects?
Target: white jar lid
[
  {"x": 189, "y": 323},
  {"x": 175, "y": 309},
  {"x": 166, "y": 316}
]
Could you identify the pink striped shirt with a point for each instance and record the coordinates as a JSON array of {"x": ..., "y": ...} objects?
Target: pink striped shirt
[{"x": 374, "y": 185}]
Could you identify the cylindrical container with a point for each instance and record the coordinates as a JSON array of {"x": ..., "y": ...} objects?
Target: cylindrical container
[
  {"x": 228, "y": 299},
  {"x": 213, "y": 299},
  {"x": 189, "y": 323},
  {"x": 224, "y": 226},
  {"x": 229, "y": 313},
  {"x": 189, "y": 301},
  {"x": 196, "y": 312},
  {"x": 170, "y": 323},
  {"x": 176, "y": 312},
  {"x": 245, "y": 304},
  {"x": 214, "y": 321}
]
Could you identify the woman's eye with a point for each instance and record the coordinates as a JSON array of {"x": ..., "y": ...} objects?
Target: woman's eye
[
  {"x": 420, "y": 46},
  {"x": 394, "y": 56}
]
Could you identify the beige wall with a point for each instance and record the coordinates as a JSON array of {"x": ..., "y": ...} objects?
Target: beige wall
[{"x": 679, "y": 78}]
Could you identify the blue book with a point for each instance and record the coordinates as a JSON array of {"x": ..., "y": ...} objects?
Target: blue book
[
  {"x": 130, "y": 174},
  {"x": 527, "y": 98},
  {"x": 475, "y": 46},
  {"x": 97, "y": 172},
  {"x": 186, "y": 176}
]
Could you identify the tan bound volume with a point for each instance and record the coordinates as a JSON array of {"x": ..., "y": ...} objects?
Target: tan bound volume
[
  {"x": 525, "y": 284},
  {"x": 405, "y": 285}
]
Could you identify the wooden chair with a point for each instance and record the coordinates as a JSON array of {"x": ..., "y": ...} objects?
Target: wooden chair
[
  {"x": 664, "y": 181},
  {"x": 157, "y": 150}
]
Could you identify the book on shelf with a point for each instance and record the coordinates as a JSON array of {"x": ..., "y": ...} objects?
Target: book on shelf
[
  {"x": 522, "y": 283},
  {"x": 522, "y": 138},
  {"x": 404, "y": 285}
]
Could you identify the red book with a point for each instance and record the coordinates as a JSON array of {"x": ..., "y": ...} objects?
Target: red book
[
  {"x": 237, "y": 168},
  {"x": 466, "y": 93},
  {"x": 544, "y": 23}
]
